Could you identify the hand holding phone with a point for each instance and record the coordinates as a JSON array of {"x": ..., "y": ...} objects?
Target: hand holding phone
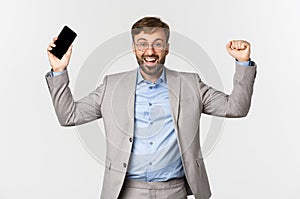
[
  {"x": 60, "y": 49},
  {"x": 63, "y": 42}
]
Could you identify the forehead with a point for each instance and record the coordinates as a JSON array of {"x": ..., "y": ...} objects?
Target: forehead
[{"x": 159, "y": 34}]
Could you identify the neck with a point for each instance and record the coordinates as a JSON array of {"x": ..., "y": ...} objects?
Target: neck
[{"x": 151, "y": 77}]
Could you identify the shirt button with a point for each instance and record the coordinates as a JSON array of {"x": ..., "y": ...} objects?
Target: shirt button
[
  {"x": 130, "y": 139},
  {"x": 151, "y": 143},
  {"x": 150, "y": 104},
  {"x": 124, "y": 165},
  {"x": 151, "y": 87},
  {"x": 151, "y": 123},
  {"x": 150, "y": 163}
]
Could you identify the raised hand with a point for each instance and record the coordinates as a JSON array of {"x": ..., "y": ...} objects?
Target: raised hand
[
  {"x": 239, "y": 49},
  {"x": 58, "y": 65}
]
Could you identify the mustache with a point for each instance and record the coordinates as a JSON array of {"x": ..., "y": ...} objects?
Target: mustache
[{"x": 152, "y": 56}]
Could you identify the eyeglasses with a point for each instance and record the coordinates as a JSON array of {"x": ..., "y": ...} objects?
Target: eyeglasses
[{"x": 157, "y": 46}]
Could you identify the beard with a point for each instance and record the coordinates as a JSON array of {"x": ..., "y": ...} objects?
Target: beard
[{"x": 152, "y": 70}]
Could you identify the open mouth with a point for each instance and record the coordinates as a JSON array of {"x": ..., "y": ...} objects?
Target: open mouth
[{"x": 150, "y": 60}]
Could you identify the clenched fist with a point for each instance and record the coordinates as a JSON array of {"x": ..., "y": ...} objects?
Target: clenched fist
[{"x": 239, "y": 49}]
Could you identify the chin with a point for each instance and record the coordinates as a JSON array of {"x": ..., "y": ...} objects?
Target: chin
[{"x": 151, "y": 70}]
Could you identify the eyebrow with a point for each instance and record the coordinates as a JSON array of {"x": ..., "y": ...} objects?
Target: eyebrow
[{"x": 146, "y": 39}]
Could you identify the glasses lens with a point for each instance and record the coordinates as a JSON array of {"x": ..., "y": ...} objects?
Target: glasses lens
[
  {"x": 156, "y": 46},
  {"x": 142, "y": 46}
]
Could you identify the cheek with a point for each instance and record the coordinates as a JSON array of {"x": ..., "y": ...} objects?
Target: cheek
[
  {"x": 138, "y": 54},
  {"x": 163, "y": 54}
]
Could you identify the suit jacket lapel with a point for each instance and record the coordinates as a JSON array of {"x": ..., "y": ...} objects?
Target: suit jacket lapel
[
  {"x": 123, "y": 99},
  {"x": 173, "y": 81}
]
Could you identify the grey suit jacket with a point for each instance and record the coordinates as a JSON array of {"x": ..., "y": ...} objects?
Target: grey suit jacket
[{"x": 114, "y": 102}]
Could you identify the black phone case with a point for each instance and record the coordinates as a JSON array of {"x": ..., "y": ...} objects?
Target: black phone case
[{"x": 65, "y": 39}]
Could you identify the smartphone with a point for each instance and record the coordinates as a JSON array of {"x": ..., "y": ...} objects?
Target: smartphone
[{"x": 64, "y": 41}]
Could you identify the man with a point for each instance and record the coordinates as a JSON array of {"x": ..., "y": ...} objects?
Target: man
[{"x": 152, "y": 118}]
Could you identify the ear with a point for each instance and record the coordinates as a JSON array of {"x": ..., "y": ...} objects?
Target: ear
[
  {"x": 167, "y": 48},
  {"x": 133, "y": 47}
]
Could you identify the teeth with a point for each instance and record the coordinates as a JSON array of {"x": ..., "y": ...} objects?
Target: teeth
[{"x": 150, "y": 59}]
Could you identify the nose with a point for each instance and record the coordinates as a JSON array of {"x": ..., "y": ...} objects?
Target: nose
[{"x": 149, "y": 50}]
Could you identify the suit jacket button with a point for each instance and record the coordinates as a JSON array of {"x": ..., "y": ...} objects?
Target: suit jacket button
[
  {"x": 130, "y": 139},
  {"x": 124, "y": 165}
]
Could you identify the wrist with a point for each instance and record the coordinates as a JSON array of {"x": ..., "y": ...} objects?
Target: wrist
[
  {"x": 245, "y": 63},
  {"x": 243, "y": 60},
  {"x": 57, "y": 69}
]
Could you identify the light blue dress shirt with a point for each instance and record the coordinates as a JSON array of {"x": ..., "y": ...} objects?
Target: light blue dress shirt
[{"x": 155, "y": 154}]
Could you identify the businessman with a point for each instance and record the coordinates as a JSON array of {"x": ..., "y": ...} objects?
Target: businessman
[{"x": 152, "y": 120}]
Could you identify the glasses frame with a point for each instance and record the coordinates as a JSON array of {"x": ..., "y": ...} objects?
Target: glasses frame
[{"x": 148, "y": 45}]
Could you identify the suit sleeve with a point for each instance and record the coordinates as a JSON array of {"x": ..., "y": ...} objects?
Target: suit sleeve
[
  {"x": 237, "y": 104},
  {"x": 68, "y": 111}
]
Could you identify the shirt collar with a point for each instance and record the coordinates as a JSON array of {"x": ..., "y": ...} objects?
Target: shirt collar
[{"x": 161, "y": 79}]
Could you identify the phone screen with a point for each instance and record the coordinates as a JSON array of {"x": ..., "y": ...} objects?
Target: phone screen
[{"x": 65, "y": 39}]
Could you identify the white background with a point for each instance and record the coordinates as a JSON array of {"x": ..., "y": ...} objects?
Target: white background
[{"x": 256, "y": 157}]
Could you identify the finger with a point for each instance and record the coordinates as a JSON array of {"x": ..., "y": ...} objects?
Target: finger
[
  {"x": 246, "y": 44},
  {"x": 52, "y": 45},
  {"x": 48, "y": 52},
  {"x": 234, "y": 45},
  {"x": 228, "y": 46},
  {"x": 242, "y": 45},
  {"x": 53, "y": 41},
  {"x": 69, "y": 52},
  {"x": 239, "y": 45},
  {"x": 50, "y": 55}
]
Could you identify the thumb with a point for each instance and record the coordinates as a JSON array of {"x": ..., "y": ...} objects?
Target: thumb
[
  {"x": 69, "y": 52},
  {"x": 228, "y": 46}
]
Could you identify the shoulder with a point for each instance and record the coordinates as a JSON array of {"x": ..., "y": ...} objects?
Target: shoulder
[
  {"x": 189, "y": 76},
  {"x": 118, "y": 74},
  {"x": 124, "y": 74}
]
